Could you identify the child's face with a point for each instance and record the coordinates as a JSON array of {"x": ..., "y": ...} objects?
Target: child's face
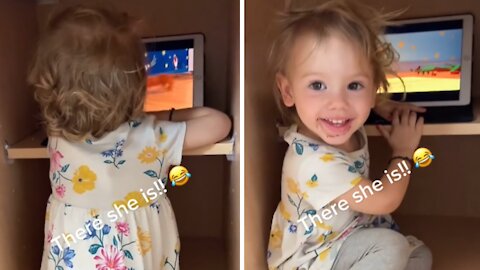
[{"x": 331, "y": 86}]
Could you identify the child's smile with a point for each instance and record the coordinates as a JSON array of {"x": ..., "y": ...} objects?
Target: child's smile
[
  {"x": 336, "y": 126},
  {"x": 330, "y": 83}
]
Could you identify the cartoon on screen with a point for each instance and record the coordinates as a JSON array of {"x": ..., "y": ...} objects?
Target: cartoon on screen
[
  {"x": 170, "y": 79},
  {"x": 429, "y": 61}
]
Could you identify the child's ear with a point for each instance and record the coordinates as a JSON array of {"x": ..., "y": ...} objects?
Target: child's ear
[{"x": 285, "y": 90}]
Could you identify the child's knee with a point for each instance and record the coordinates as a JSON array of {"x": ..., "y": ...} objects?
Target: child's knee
[
  {"x": 392, "y": 238},
  {"x": 420, "y": 259},
  {"x": 394, "y": 243}
]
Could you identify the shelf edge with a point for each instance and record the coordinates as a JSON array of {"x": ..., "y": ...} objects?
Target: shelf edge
[{"x": 221, "y": 148}]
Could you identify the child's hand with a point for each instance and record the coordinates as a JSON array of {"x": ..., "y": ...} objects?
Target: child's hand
[
  {"x": 385, "y": 107},
  {"x": 405, "y": 132}
]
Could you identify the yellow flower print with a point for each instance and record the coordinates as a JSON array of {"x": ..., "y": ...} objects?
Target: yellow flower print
[
  {"x": 327, "y": 237},
  {"x": 331, "y": 236},
  {"x": 177, "y": 246},
  {"x": 68, "y": 239},
  {"x": 292, "y": 185},
  {"x": 322, "y": 256},
  {"x": 83, "y": 180},
  {"x": 311, "y": 184},
  {"x": 355, "y": 181},
  {"x": 93, "y": 212},
  {"x": 320, "y": 240},
  {"x": 144, "y": 241},
  {"x": 322, "y": 225},
  {"x": 163, "y": 136},
  {"x": 313, "y": 181},
  {"x": 283, "y": 211},
  {"x": 276, "y": 237},
  {"x": 149, "y": 155},
  {"x": 305, "y": 195},
  {"x": 327, "y": 157},
  {"x": 136, "y": 196}
]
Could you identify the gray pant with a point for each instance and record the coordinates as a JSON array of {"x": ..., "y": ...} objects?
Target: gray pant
[{"x": 379, "y": 248}]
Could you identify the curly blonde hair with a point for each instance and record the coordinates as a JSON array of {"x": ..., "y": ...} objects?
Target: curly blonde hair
[
  {"x": 88, "y": 72},
  {"x": 360, "y": 24}
]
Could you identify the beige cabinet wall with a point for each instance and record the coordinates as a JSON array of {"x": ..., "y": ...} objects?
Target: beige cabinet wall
[
  {"x": 263, "y": 153},
  {"x": 233, "y": 186},
  {"x": 22, "y": 193}
]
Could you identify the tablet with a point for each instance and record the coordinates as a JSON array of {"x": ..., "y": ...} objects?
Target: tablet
[
  {"x": 175, "y": 72},
  {"x": 435, "y": 61}
]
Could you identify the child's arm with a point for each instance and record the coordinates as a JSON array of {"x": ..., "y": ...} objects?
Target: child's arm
[
  {"x": 403, "y": 137},
  {"x": 205, "y": 125},
  {"x": 385, "y": 107}
]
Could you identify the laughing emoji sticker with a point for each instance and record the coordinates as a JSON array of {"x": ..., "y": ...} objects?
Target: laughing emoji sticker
[
  {"x": 179, "y": 176},
  {"x": 422, "y": 157}
]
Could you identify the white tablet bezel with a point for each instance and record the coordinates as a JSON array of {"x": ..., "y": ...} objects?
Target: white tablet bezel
[
  {"x": 198, "y": 62},
  {"x": 466, "y": 74}
]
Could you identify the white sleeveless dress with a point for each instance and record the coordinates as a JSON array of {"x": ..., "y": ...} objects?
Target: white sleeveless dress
[
  {"x": 313, "y": 175},
  {"x": 108, "y": 209}
]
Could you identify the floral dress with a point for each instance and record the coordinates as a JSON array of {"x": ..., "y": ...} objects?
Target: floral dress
[
  {"x": 108, "y": 209},
  {"x": 313, "y": 175}
]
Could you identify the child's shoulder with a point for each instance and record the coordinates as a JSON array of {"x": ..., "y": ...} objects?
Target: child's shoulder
[
  {"x": 142, "y": 129},
  {"x": 304, "y": 152},
  {"x": 163, "y": 131},
  {"x": 309, "y": 162},
  {"x": 303, "y": 145}
]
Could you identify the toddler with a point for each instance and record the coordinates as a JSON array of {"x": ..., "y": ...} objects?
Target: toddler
[{"x": 329, "y": 62}]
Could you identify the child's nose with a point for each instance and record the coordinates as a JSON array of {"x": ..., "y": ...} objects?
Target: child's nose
[{"x": 338, "y": 100}]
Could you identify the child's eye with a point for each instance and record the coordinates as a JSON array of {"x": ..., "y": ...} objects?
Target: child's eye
[
  {"x": 355, "y": 86},
  {"x": 317, "y": 86}
]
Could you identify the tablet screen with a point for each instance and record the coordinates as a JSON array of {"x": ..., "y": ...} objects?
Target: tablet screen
[
  {"x": 430, "y": 62},
  {"x": 170, "y": 81}
]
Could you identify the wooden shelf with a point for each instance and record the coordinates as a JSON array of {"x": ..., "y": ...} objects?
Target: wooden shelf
[
  {"x": 467, "y": 128},
  {"x": 31, "y": 148}
]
